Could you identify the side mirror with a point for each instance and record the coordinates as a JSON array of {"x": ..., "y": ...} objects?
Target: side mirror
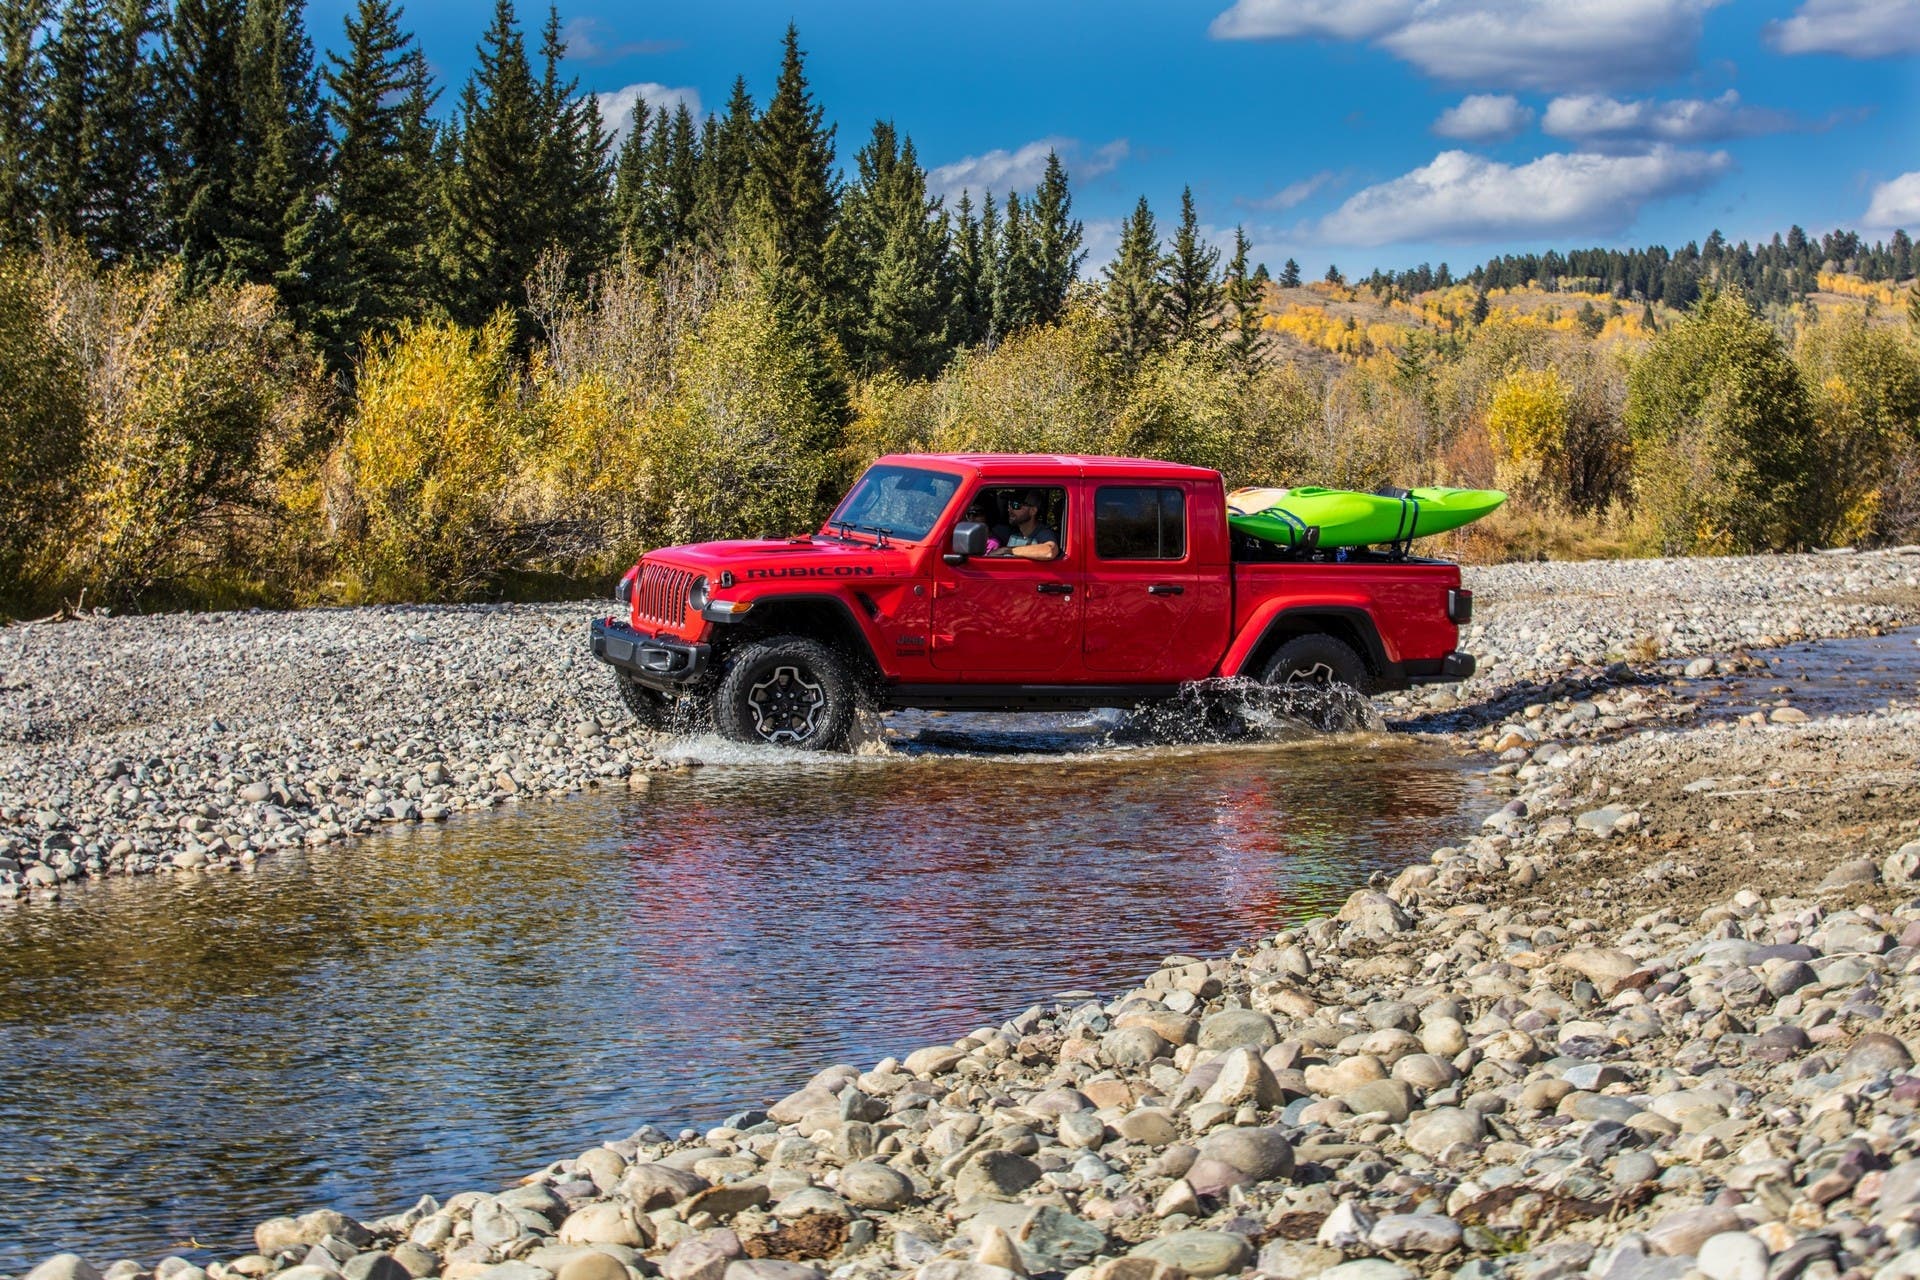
[{"x": 969, "y": 539}]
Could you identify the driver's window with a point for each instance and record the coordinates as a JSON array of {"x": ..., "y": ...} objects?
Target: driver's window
[{"x": 1022, "y": 521}]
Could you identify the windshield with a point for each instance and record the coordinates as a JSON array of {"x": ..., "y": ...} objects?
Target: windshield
[{"x": 900, "y": 502}]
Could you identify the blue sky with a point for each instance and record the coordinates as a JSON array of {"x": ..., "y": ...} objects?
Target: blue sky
[{"x": 1359, "y": 132}]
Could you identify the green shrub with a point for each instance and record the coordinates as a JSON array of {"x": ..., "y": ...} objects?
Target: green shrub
[{"x": 1722, "y": 434}]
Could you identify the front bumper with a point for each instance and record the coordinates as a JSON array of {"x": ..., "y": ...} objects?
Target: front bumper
[{"x": 655, "y": 661}]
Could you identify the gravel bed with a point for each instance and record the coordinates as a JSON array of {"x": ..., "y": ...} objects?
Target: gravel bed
[{"x": 1655, "y": 1020}]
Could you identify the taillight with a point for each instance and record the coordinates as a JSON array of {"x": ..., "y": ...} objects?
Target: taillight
[{"x": 1459, "y": 606}]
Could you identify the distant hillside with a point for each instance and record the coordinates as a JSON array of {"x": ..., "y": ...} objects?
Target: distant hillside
[{"x": 1607, "y": 294}]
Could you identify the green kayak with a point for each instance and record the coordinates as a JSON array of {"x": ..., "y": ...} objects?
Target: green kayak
[{"x": 1347, "y": 518}]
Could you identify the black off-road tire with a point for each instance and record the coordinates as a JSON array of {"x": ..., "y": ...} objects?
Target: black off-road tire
[
  {"x": 786, "y": 691},
  {"x": 651, "y": 709},
  {"x": 1331, "y": 680},
  {"x": 1317, "y": 659}
]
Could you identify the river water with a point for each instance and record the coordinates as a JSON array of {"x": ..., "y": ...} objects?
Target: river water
[{"x": 446, "y": 1008}]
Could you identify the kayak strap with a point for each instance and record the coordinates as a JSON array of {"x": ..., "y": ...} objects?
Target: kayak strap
[
  {"x": 1295, "y": 525},
  {"x": 1408, "y": 525}
]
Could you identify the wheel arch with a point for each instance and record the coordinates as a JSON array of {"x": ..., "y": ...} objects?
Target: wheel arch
[
  {"x": 1354, "y": 626},
  {"x": 819, "y": 616}
]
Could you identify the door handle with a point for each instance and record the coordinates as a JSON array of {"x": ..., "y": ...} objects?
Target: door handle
[
  {"x": 1165, "y": 589},
  {"x": 1056, "y": 588}
]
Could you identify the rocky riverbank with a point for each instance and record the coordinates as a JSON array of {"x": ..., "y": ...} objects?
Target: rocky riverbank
[
  {"x": 1654, "y": 1020},
  {"x": 197, "y": 742}
]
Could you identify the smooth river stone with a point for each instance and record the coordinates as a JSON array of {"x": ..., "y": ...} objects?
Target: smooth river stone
[
  {"x": 1261, "y": 1154},
  {"x": 1199, "y": 1253},
  {"x": 65, "y": 1266},
  {"x": 1244, "y": 1079},
  {"x": 1432, "y": 1132},
  {"x": 1237, "y": 1028},
  {"x": 1148, "y": 1126},
  {"x": 872, "y": 1185}
]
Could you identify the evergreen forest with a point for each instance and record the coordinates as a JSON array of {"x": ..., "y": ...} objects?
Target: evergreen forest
[{"x": 283, "y": 326}]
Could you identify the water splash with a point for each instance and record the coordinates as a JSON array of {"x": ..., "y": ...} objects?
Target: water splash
[{"x": 1228, "y": 710}]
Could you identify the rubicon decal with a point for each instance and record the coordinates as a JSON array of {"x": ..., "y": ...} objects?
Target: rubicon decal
[{"x": 818, "y": 571}]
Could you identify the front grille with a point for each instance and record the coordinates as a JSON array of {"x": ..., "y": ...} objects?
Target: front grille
[{"x": 661, "y": 594}]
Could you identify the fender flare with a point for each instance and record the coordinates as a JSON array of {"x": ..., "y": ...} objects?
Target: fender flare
[
  {"x": 850, "y": 618},
  {"x": 1349, "y": 622}
]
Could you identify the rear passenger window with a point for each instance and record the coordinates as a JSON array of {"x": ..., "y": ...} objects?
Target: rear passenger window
[{"x": 1140, "y": 523}]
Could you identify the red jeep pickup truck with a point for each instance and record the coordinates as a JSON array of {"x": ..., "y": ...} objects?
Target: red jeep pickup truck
[{"x": 913, "y": 595}]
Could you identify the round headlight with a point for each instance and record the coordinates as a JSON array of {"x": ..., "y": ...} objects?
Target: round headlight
[{"x": 699, "y": 593}]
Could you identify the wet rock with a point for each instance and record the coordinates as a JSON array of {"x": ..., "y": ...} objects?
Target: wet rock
[{"x": 64, "y": 1266}]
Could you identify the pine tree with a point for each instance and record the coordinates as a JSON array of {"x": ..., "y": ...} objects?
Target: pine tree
[
  {"x": 497, "y": 218},
  {"x": 23, "y": 88},
  {"x": 989, "y": 265},
  {"x": 71, "y": 121},
  {"x": 201, "y": 167},
  {"x": 1057, "y": 238},
  {"x": 282, "y": 231},
  {"x": 1481, "y": 307},
  {"x": 972, "y": 299},
  {"x": 726, "y": 156},
  {"x": 1135, "y": 291},
  {"x": 889, "y": 251},
  {"x": 1019, "y": 281},
  {"x": 1193, "y": 289},
  {"x": 1333, "y": 274},
  {"x": 381, "y": 186},
  {"x": 791, "y": 190},
  {"x": 573, "y": 163},
  {"x": 631, "y": 187},
  {"x": 1243, "y": 296},
  {"x": 1290, "y": 275},
  {"x": 122, "y": 215}
]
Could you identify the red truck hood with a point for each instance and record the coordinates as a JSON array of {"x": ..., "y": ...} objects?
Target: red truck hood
[{"x": 752, "y": 560}]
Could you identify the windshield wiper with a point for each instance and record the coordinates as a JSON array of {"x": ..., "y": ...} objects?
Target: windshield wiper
[{"x": 880, "y": 533}]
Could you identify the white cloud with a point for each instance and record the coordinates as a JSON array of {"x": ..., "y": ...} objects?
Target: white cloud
[
  {"x": 591, "y": 40},
  {"x": 1896, "y": 203},
  {"x": 1464, "y": 197},
  {"x": 1857, "y": 28},
  {"x": 1100, "y": 238},
  {"x": 1484, "y": 117},
  {"x": 616, "y": 108},
  {"x": 1021, "y": 169},
  {"x": 1283, "y": 19},
  {"x": 1596, "y": 121},
  {"x": 1294, "y": 192},
  {"x": 1513, "y": 44}
]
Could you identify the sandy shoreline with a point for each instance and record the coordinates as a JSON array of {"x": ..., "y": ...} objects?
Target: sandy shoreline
[{"x": 1653, "y": 1019}]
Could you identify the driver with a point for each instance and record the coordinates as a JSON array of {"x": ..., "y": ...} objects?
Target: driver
[{"x": 1029, "y": 539}]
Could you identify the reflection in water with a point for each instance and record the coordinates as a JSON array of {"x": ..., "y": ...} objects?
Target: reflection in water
[{"x": 445, "y": 1008}]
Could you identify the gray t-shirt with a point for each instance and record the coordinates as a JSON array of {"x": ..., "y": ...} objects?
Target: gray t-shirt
[{"x": 1039, "y": 535}]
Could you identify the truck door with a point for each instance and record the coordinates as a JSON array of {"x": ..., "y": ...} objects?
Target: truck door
[
  {"x": 1144, "y": 581},
  {"x": 1003, "y": 619}
]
